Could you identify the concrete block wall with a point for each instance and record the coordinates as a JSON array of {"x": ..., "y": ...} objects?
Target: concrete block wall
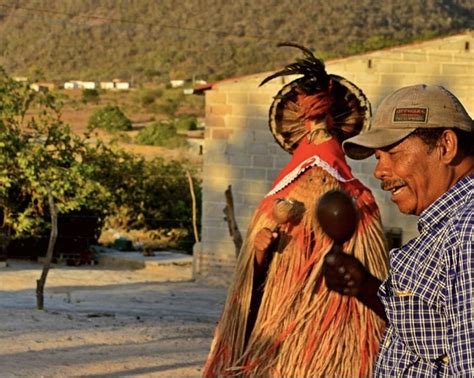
[{"x": 240, "y": 151}]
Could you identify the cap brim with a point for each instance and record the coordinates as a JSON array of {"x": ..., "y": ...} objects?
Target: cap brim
[{"x": 362, "y": 146}]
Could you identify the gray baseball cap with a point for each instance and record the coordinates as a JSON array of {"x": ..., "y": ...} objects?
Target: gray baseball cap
[{"x": 404, "y": 111}]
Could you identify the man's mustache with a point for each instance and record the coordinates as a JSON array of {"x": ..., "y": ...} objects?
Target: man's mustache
[{"x": 388, "y": 185}]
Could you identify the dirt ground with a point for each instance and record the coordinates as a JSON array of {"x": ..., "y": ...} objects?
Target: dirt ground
[{"x": 102, "y": 322}]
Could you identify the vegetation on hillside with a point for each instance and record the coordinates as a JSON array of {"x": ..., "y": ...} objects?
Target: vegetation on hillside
[{"x": 149, "y": 41}]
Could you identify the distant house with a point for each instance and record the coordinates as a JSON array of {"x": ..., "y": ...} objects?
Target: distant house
[
  {"x": 122, "y": 85},
  {"x": 42, "y": 86},
  {"x": 20, "y": 78},
  {"x": 188, "y": 91},
  {"x": 88, "y": 85},
  {"x": 115, "y": 84},
  {"x": 71, "y": 84},
  {"x": 177, "y": 83},
  {"x": 78, "y": 84},
  {"x": 107, "y": 85}
]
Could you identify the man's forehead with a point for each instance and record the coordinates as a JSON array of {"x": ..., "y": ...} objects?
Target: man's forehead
[{"x": 406, "y": 142}]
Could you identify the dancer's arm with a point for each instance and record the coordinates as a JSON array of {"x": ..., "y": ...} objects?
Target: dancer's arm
[{"x": 264, "y": 240}]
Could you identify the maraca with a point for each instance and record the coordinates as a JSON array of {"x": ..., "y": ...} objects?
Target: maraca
[
  {"x": 337, "y": 216},
  {"x": 285, "y": 211}
]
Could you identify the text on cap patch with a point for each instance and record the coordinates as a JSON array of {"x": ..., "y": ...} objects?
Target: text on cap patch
[{"x": 410, "y": 115}]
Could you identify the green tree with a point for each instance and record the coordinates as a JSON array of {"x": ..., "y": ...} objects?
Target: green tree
[
  {"x": 187, "y": 123},
  {"x": 109, "y": 118},
  {"x": 161, "y": 134},
  {"x": 41, "y": 170},
  {"x": 90, "y": 95}
]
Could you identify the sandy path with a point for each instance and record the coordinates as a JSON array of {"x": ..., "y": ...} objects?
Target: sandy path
[{"x": 104, "y": 323}]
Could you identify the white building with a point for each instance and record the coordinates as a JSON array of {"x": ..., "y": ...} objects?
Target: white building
[
  {"x": 107, "y": 85},
  {"x": 177, "y": 83},
  {"x": 87, "y": 85},
  {"x": 78, "y": 84},
  {"x": 71, "y": 85},
  {"x": 115, "y": 84},
  {"x": 122, "y": 85}
]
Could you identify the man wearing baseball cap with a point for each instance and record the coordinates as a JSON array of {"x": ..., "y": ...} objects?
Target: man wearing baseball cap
[{"x": 423, "y": 140}]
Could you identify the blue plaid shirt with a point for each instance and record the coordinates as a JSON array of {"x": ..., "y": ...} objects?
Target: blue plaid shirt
[{"x": 429, "y": 296}]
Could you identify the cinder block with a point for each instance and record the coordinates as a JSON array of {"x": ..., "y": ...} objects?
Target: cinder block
[
  {"x": 242, "y": 160},
  {"x": 244, "y": 214},
  {"x": 436, "y": 56},
  {"x": 238, "y": 98},
  {"x": 214, "y": 121},
  {"x": 258, "y": 123},
  {"x": 453, "y": 46},
  {"x": 220, "y": 133},
  {"x": 213, "y": 212},
  {"x": 281, "y": 159},
  {"x": 220, "y": 109},
  {"x": 250, "y": 200},
  {"x": 262, "y": 161},
  {"x": 272, "y": 174},
  {"x": 258, "y": 148},
  {"x": 364, "y": 78},
  {"x": 215, "y": 147},
  {"x": 456, "y": 69},
  {"x": 379, "y": 65},
  {"x": 237, "y": 122},
  {"x": 222, "y": 171},
  {"x": 215, "y": 97},
  {"x": 259, "y": 111},
  {"x": 391, "y": 80},
  {"x": 216, "y": 234},
  {"x": 244, "y": 110},
  {"x": 415, "y": 56},
  {"x": 258, "y": 187},
  {"x": 404, "y": 67},
  {"x": 254, "y": 173},
  {"x": 261, "y": 98},
  {"x": 263, "y": 136},
  {"x": 464, "y": 81},
  {"x": 233, "y": 149}
]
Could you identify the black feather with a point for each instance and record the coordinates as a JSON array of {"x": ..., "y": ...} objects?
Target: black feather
[{"x": 314, "y": 76}]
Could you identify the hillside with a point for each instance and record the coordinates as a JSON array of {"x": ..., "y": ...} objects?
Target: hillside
[{"x": 152, "y": 41}]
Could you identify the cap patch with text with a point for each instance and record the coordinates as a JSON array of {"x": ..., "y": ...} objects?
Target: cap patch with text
[{"x": 410, "y": 115}]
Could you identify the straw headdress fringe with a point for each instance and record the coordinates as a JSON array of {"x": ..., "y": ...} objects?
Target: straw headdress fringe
[{"x": 302, "y": 329}]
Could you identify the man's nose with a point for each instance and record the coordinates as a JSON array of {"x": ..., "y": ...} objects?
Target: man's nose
[{"x": 382, "y": 169}]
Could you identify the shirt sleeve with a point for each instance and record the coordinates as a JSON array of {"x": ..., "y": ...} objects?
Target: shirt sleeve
[{"x": 461, "y": 301}]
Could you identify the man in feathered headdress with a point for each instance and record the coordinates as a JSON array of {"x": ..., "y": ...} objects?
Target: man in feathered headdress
[{"x": 280, "y": 320}]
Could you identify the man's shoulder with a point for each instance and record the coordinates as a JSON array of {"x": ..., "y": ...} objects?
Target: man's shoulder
[{"x": 463, "y": 218}]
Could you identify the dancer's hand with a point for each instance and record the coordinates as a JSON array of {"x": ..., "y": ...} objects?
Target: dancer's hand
[
  {"x": 262, "y": 243},
  {"x": 346, "y": 275}
]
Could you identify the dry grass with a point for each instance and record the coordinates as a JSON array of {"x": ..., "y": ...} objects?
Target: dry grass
[{"x": 76, "y": 114}]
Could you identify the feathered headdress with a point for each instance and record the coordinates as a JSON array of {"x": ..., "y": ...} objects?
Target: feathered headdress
[{"x": 315, "y": 103}]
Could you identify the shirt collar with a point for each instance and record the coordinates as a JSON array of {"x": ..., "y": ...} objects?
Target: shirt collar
[{"x": 446, "y": 204}]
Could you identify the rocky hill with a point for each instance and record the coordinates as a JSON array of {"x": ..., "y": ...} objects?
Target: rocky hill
[{"x": 153, "y": 41}]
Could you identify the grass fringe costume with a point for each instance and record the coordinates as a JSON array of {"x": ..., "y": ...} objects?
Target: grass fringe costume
[{"x": 302, "y": 329}]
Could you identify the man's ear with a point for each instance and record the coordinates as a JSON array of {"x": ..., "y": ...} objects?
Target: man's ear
[{"x": 448, "y": 146}]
